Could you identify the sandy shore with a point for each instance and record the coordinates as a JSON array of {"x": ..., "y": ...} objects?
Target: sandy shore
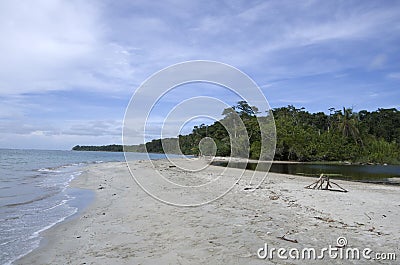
[{"x": 124, "y": 225}]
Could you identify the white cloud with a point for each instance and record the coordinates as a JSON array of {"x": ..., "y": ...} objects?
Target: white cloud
[
  {"x": 93, "y": 128},
  {"x": 62, "y": 127},
  {"x": 378, "y": 61},
  {"x": 394, "y": 75},
  {"x": 44, "y": 141},
  {"x": 110, "y": 47},
  {"x": 53, "y": 45},
  {"x": 57, "y": 45}
]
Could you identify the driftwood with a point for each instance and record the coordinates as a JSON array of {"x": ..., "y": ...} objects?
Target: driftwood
[
  {"x": 368, "y": 216},
  {"x": 287, "y": 239},
  {"x": 324, "y": 183}
]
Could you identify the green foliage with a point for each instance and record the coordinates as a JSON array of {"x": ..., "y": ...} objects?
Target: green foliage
[
  {"x": 383, "y": 123},
  {"x": 343, "y": 135},
  {"x": 105, "y": 148},
  {"x": 381, "y": 151},
  {"x": 255, "y": 150},
  {"x": 340, "y": 136}
]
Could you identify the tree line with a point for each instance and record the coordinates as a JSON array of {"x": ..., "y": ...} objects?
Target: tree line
[
  {"x": 104, "y": 148},
  {"x": 341, "y": 135}
]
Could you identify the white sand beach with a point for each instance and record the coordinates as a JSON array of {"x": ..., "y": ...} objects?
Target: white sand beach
[{"x": 124, "y": 225}]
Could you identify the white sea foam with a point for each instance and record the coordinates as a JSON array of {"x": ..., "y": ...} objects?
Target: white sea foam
[{"x": 31, "y": 174}]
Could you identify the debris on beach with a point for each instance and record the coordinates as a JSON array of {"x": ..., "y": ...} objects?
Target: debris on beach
[
  {"x": 287, "y": 239},
  {"x": 324, "y": 179},
  {"x": 326, "y": 219},
  {"x": 273, "y": 197}
]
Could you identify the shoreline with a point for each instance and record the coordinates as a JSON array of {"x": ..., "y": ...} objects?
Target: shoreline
[
  {"x": 123, "y": 225},
  {"x": 78, "y": 193}
]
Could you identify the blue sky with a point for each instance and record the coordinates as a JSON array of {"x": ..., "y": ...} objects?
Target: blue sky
[{"x": 69, "y": 68}]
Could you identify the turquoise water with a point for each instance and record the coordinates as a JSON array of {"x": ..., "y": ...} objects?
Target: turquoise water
[{"x": 34, "y": 193}]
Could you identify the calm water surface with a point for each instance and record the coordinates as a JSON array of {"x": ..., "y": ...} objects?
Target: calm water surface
[{"x": 364, "y": 173}]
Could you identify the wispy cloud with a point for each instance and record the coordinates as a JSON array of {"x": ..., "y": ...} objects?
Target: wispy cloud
[
  {"x": 98, "y": 52},
  {"x": 56, "y": 45},
  {"x": 394, "y": 75}
]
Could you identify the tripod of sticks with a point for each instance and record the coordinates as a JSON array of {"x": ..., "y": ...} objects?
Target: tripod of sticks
[{"x": 324, "y": 183}]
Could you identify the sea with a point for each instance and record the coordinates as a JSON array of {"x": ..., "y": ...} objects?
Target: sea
[{"x": 35, "y": 193}]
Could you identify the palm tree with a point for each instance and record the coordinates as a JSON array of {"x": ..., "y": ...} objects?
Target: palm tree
[{"x": 348, "y": 124}]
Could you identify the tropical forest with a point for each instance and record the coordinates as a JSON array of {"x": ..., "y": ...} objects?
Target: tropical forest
[{"x": 341, "y": 135}]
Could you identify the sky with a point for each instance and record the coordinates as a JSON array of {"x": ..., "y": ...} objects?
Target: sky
[{"x": 69, "y": 68}]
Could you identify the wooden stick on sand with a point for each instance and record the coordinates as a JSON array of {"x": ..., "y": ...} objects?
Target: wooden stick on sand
[{"x": 323, "y": 179}]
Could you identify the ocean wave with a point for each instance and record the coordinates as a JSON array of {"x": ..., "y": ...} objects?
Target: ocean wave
[
  {"x": 63, "y": 202},
  {"x": 43, "y": 200},
  {"x": 40, "y": 198},
  {"x": 50, "y": 169},
  {"x": 59, "y": 168},
  {"x": 37, "y": 233}
]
